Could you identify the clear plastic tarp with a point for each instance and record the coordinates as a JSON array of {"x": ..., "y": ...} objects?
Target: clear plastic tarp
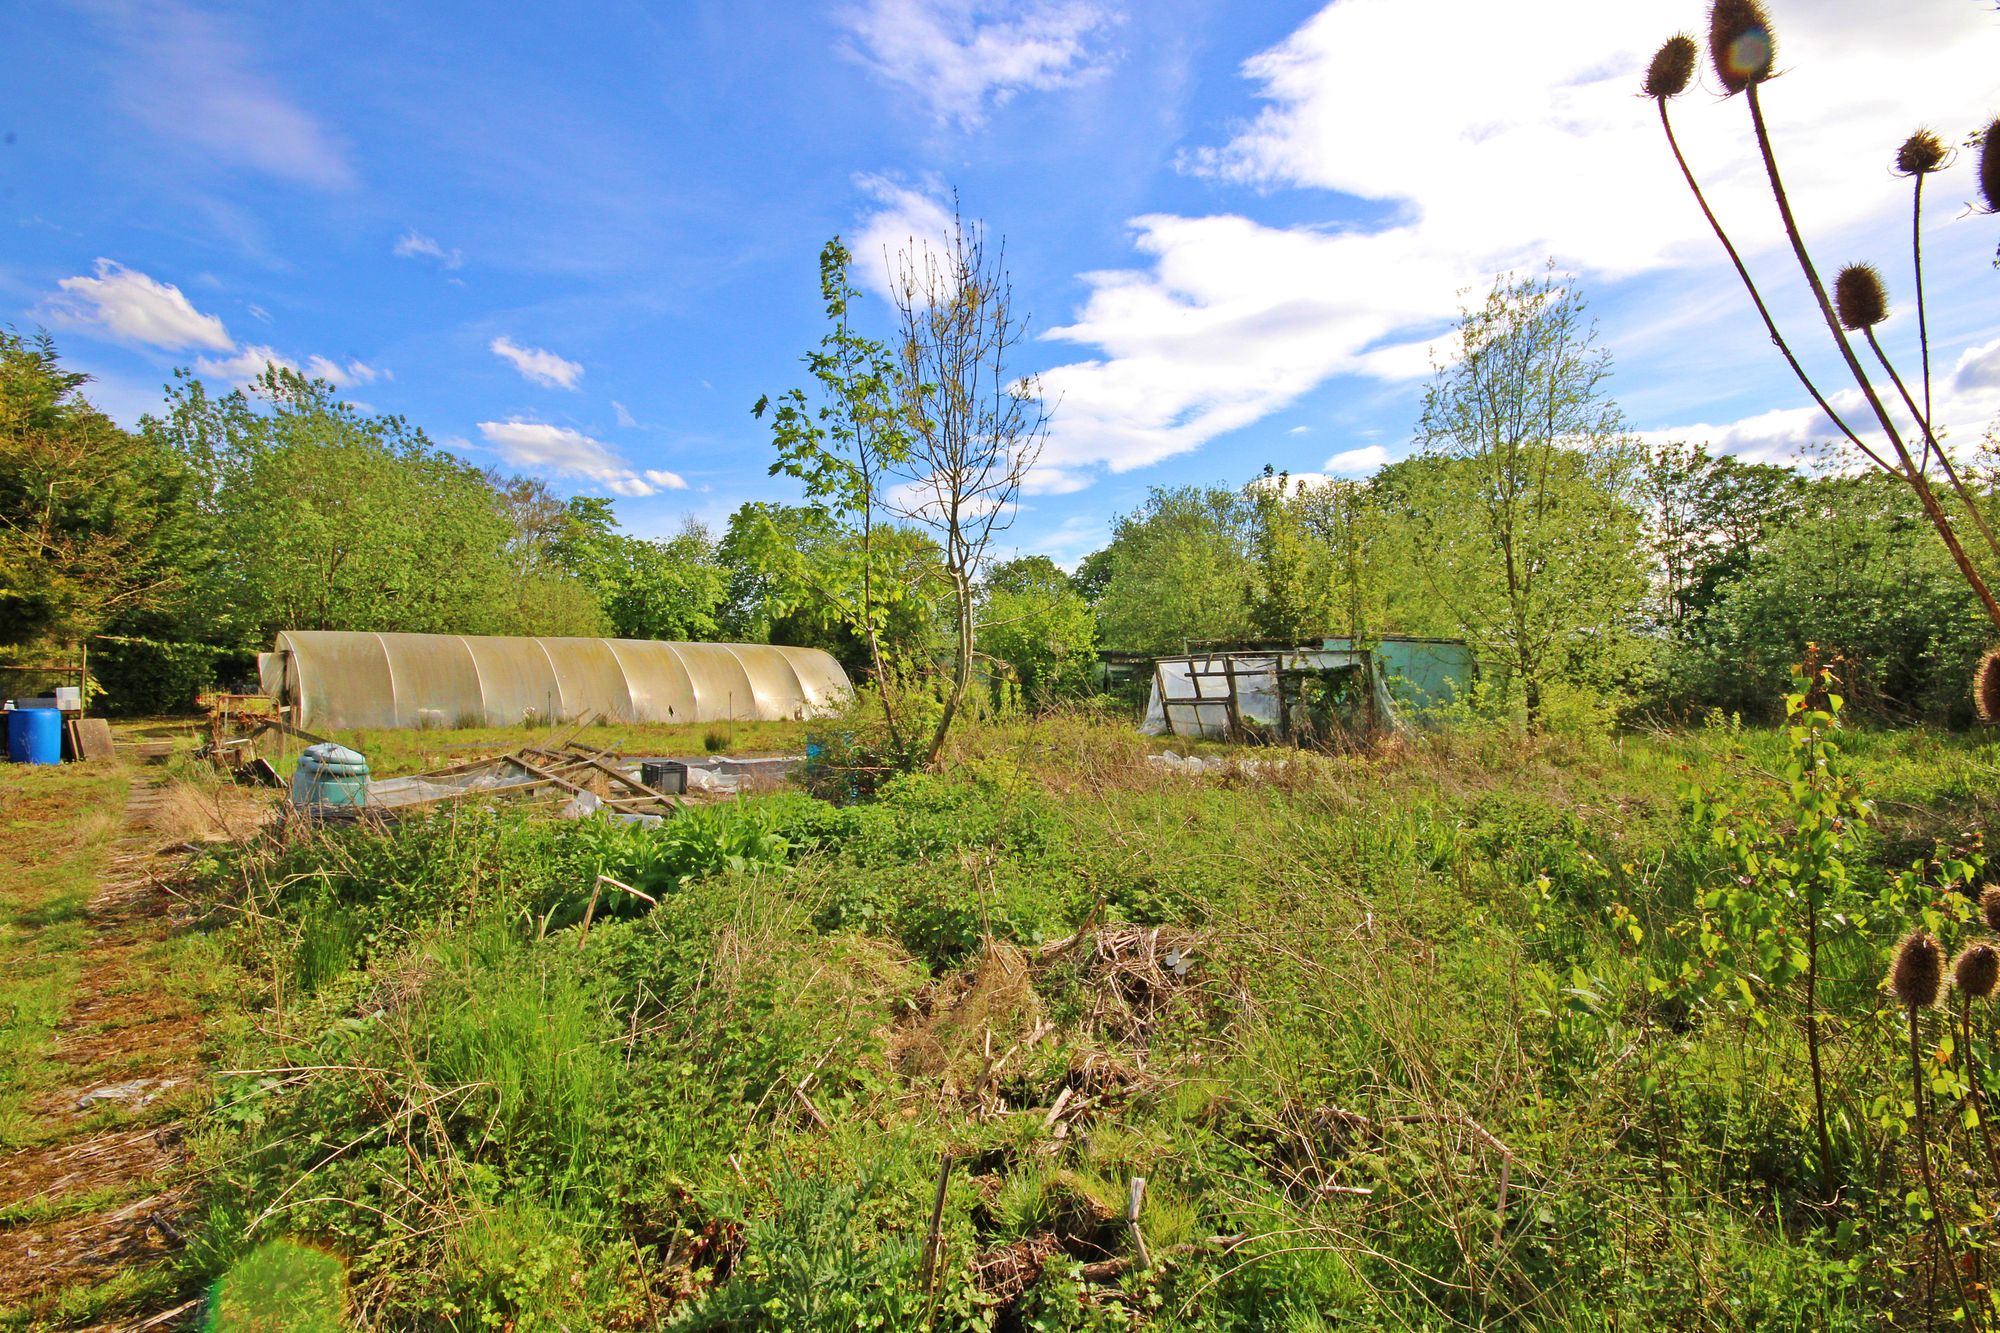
[
  {"x": 341, "y": 679},
  {"x": 1231, "y": 696}
]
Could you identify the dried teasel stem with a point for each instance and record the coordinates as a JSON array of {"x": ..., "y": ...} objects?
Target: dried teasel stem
[
  {"x": 1915, "y": 979},
  {"x": 1974, "y": 973},
  {"x": 1921, "y": 154},
  {"x": 1757, "y": 297},
  {"x": 1910, "y": 471}
]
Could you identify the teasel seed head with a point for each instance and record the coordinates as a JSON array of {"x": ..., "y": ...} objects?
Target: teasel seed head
[
  {"x": 1740, "y": 43},
  {"x": 1672, "y": 68},
  {"x": 1976, "y": 970},
  {"x": 1858, "y": 296},
  {"x": 1921, "y": 154},
  {"x": 1989, "y": 907},
  {"x": 1918, "y": 972},
  {"x": 1989, "y": 166}
]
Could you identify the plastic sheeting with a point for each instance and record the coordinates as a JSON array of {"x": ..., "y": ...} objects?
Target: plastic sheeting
[
  {"x": 1217, "y": 696},
  {"x": 339, "y": 679}
]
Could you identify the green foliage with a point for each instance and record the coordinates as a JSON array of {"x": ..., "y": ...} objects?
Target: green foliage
[
  {"x": 92, "y": 518},
  {"x": 1517, "y": 503},
  {"x": 142, "y": 677},
  {"x": 1032, "y": 619},
  {"x": 314, "y": 516},
  {"x": 673, "y": 589},
  {"x": 797, "y": 577},
  {"x": 1706, "y": 517},
  {"x": 1179, "y": 571},
  {"x": 1855, "y": 568}
]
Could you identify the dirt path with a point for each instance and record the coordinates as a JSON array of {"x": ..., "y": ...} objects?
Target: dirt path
[{"x": 89, "y": 1203}]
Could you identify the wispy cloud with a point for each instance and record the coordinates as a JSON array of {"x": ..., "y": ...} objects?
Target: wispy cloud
[
  {"x": 625, "y": 419},
  {"x": 905, "y": 218},
  {"x": 542, "y": 447},
  {"x": 964, "y": 59},
  {"x": 1357, "y": 462},
  {"x": 416, "y": 245},
  {"x": 248, "y": 362},
  {"x": 186, "y": 77},
  {"x": 131, "y": 307},
  {"x": 537, "y": 364}
]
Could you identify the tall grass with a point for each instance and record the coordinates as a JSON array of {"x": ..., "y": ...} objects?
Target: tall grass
[{"x": 1425, "y": 1038}]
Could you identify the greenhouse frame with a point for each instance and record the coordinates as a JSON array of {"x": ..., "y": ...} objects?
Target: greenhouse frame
[{"x": 341, "y": 679}]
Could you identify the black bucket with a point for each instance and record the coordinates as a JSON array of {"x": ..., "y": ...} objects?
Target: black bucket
[{"x": 665, "y": 775}]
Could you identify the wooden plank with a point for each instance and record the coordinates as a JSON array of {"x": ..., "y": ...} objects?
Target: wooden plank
[
  {"x": 616, "y": 775},
  {"x": 92, "y": 739},
  {"x": 544, "y": 774}
]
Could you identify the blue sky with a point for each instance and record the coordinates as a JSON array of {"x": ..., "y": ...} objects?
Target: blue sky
[{"x": 581, "y": 240}]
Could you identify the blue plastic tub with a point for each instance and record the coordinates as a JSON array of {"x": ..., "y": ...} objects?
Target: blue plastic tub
[
  {"x": 34, "y": 736},
  {"x": 330, "y": 777}
]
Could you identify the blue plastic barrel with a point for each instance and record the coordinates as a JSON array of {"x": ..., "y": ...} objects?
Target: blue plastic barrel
[
  {"x": 34, "y": 736},
  {"x": 330, "y": 776}
]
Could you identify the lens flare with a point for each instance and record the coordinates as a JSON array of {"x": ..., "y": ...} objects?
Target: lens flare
[{"x": 1750, "y": 55}]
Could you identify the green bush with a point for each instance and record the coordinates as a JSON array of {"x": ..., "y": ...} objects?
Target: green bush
[{"x": 151, "y": 677}]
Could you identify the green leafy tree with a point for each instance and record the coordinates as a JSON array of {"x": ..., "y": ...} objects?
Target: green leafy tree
[
  {"x": 316, "y": 516},
  {"x": 92, "y": 518},
  {"x": 795, "y": 572},
  {"x": 1855, "y": 568},
  {"x": 1032, "y": 618},
  {"x": 1179, "y": 571},
  {"x": 1705, "y": 515},
  {"x": 674, "y": 589},
  {"x": 1293, "y": 587},
  {"x": 1517, "y": 502},
  {"x": 842, "y": 446},
  {"x": 544, "y": 596}
]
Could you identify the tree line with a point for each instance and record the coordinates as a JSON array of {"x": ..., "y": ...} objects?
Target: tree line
[{"x": 1598, "y": 578}]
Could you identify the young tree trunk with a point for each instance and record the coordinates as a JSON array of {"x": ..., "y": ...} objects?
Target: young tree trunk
[{"x": 961, "y": 676}]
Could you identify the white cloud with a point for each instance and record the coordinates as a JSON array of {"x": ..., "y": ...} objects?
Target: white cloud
[
  {"x": 1965, "y": 405},
  {"x": 907, "y": 220},
  {"x": 537, "y": 365},
  {"x": 1978, "y": 368},
  {"x": 539, "y": 446},
  {"x": 186, "y": 77},
  {"x": 132, "y": 307},
  {"x": 624, "y": 418},
  {"x": 248, "y": 362},
  {"x": 1299, "y": 430},
  {"x": 963, "y": 59},
  {"x": 416, "y": 245},
  {"x": 1488, "y": 137},
  {"x": 1293, "y": 482},
  {"x": 1357, "y": 462}
]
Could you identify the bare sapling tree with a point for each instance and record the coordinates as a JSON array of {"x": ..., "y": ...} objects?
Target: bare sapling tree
[
  {"x": 1742, "y": 50},
  {"x": 975, "y": 427}
]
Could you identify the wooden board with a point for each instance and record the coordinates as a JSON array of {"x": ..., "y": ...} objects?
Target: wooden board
[{"x": 90, "y": 739}]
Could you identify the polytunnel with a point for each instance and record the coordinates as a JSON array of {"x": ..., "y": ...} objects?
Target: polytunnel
[{"x": 342, "y": 679}]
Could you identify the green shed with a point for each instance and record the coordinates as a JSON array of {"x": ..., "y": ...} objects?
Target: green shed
[{"x": 1422, "y": 674}]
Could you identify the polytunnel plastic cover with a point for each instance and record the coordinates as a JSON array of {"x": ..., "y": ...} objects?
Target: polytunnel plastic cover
[{"x": 352, "y": 679}]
